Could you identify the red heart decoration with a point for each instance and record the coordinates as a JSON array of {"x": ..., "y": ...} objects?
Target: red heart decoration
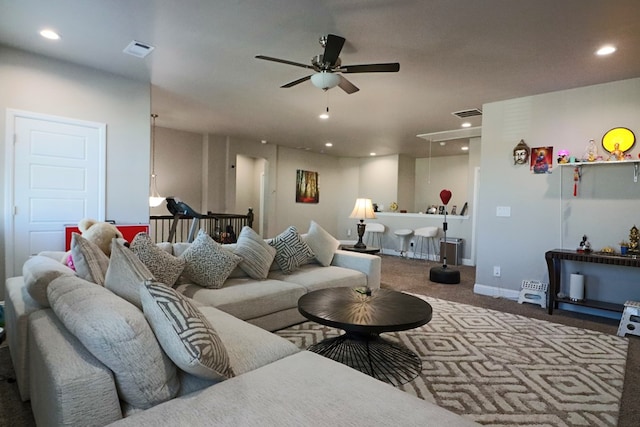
[{"x": 445, "y": 196}]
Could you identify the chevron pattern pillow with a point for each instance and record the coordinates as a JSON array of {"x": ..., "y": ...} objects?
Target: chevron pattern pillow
[
  {"x": 184, "y": 333},
  {"x": 291, "y": 250}
]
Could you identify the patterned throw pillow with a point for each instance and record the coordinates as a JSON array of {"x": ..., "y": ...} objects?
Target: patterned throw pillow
[
  {"x": 126, "y": 273},
  {"x": 256, "y": 254},
  {"x": 323, "y": 244},
  {"x": 291, "y": 250},
  {"x": 90, "y": 262},
  {"x": 184, "y": 333},
  {"x": 165, "y": 267},
  {"x": 208, "y": 264}
]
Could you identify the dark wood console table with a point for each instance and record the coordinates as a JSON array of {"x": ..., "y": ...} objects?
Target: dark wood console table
[{"x": 554, "y": 260}]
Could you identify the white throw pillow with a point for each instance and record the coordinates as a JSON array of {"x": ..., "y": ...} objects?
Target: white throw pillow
[
  {"x": 207, "y": 263},
  {"x": 126, "y": 273},
  {"x": 88, "y": 259},
  {"x": 184, "y": 333},
  {"x": 165, "y": 268},
  {"x": 291, "y": 250},
  {"x": 117, "y": 334},
  {"x": 323, "y": 244},
  {"x": 256, "y": 254}
]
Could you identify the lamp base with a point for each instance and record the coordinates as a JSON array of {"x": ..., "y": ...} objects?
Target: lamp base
[
  {"x": 361, "y": 227},
  {"x": 444, "y": 275}
]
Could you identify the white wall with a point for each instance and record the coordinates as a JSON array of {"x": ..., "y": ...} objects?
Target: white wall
[
  {"x": 43, "y": 85},
  {"x": 565, "y": 119},
  {"x": 450, "y": 172}
]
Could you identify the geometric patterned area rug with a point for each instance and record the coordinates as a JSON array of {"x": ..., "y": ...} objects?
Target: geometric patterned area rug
[{"x": 502, "y": 369}]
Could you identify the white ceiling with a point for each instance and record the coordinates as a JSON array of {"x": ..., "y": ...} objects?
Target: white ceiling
[{"x": 453, "y": 55}]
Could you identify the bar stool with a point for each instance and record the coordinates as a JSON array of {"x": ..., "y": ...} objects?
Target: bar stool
[
  {"x": 373, "y": 234},
  {"x": 405, "y": 235},
  {"x": 429, "y": 234}
]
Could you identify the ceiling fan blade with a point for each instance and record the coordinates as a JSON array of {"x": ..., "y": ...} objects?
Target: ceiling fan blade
[
  {"x": 284, "y": 61},
  {"x": 391, "y": 67},
  {"x": 347, "y": 86},
  {"x": 296, "y": 82},
  {"x": 332, "y": 49}
]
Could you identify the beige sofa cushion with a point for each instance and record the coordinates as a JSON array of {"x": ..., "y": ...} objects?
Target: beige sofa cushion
[
  {"x": 313, "y": 277},
  {"x": 117, "y": 334},
  {"x": 38, "y": 272},
  {"x": 256, "y": 254},
  {"x": 88, "y": 259},
  {"x": 323, "y": 244}
]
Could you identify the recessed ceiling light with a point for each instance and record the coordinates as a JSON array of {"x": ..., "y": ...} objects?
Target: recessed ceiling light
[
  {"x": 442, "y": 143},
  {"x": 466, "y": 125},
  {"x": 328, "y": 144},
  {"x": 264, "y": 141},
  {"x": 372, "y": 154},
  {"x": 464, "y": 148},
  {"x": 50, "y": 34},
  {"x": 606, "y": 50}
]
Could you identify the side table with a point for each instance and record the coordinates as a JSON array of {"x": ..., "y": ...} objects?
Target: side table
[{"x": 366, "y": 250}]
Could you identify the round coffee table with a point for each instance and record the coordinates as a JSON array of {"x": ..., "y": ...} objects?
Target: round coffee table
[{"x": 364, "y": 315}]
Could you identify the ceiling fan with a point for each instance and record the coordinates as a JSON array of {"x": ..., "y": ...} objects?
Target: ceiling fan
[{"x": 328, "y": 64}]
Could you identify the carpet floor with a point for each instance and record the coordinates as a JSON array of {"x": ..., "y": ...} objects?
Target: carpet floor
[
  {"x": 503, "y": 369},
  {"x": 413, "y": 276}
]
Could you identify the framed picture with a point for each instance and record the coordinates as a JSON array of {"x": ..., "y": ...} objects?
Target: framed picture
[
  {"x": 307, "y": 187},
  {"x": 541, "y": 159},
  {"x": 454, "y": 209},
  {"x": 440, "y": 210}
]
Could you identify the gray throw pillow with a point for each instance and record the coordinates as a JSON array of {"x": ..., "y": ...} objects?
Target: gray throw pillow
[
  {"x": 38, "y": 272},
  {"x": 126, "y": 273},
  {"x": 118, "y": 335},
  {"x": 256, "y": 254},
  {"x": 184, "y": 333},
  {"x": 291, "y": 250},
  {"x": 323, "y": 244},
  {"x": 165, "y": 268},
  {"x": 207, "y": 263},
  {"x": 88, "y": 259}
]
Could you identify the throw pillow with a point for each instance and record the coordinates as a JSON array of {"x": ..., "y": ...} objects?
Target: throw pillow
[
  {"x": 126, "y": 273},
  {"x": 291, "y": 250},
  {"x": 165, "y": 268},
  {"x": 207, "y": 263},
  {"x": 184, "y": 333},
  {"x": 256, "y": 254},
  {"x": 118, "y": 335},
  {"x": 38, "y": 272},
  {"x": 323, "y": 244},
  {"x": 90, "y": 261}
]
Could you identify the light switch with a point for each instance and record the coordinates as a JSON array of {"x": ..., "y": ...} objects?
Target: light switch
[{"x": 503, "y": 211}]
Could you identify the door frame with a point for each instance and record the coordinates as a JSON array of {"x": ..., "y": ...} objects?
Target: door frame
[{"x": 9, "y": 193}]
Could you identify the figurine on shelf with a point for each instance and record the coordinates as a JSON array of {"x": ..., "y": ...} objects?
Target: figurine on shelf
[
  {"x": 591, "y": 152},
  {"x": 633, "y": 241},
  {"x": 584, "y": 245},
  {"x": 617, "y": 153},
  {"x": 563, "y": 156}
]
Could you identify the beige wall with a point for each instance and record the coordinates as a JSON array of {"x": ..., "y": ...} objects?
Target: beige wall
[
  {"x": 450, "y": 172},
  {"x": 605, "y": 209},
  {"x": 42, "y": 85}
]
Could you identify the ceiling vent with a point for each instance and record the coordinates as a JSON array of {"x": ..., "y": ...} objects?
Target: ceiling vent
[
  {"x": 467, "y": 113},
  {"x": 138, "y": 49}
]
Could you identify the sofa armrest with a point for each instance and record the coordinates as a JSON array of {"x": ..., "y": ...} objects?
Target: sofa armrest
[
  {"x": 368, "y": 264},
  {"x": 69, "y": 386}
]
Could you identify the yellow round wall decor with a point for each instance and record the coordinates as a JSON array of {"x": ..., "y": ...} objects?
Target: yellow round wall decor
[{"x": 623, "y": 137}]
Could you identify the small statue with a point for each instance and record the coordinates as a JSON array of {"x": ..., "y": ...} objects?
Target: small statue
[
  {"x": 584, "y": 246},
  {"x": 591, "y": 152},
  {"x": 563, "y": 156},
  {"x": 633, "y": 241},
  {"x": 617, "y": 153}
]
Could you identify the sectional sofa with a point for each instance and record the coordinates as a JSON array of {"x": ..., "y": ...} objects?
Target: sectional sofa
[{"x": 136, "y": 351}]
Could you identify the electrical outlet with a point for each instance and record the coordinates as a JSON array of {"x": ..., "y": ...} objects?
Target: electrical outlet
[
  {"x": 496, "y": 270},
  {"x": 348, "y": 232},
  {"x": 411, "y": 244}
]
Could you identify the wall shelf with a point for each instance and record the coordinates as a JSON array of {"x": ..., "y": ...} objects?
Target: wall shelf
[{"x": 635, "y": 163}]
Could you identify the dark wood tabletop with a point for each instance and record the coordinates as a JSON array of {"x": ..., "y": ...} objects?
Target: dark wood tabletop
[{"x": 356, "y": 312}]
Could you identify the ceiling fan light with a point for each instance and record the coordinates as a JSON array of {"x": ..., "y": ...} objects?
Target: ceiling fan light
[{"x": 325, "y": 80}]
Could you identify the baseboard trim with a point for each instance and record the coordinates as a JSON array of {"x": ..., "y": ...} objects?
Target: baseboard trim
[
  {"x": 494, "y": 291},
  {"x": 411, "y": 255}
]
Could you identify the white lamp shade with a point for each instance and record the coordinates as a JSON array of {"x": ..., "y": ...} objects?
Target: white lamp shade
[
  {"x": 324, "y": 80},
  {"x": 363, "y": 209}
]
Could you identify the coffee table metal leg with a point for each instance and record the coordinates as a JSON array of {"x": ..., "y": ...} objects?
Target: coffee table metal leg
[{"x": 373, "y": 355}]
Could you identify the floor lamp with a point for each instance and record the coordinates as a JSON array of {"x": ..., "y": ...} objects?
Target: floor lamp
[
  {"x": 444, "y": 274},
  {"x": 362, "y": 210}
]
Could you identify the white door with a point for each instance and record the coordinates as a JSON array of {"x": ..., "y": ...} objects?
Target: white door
[{"x": 56, "y": 176}]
